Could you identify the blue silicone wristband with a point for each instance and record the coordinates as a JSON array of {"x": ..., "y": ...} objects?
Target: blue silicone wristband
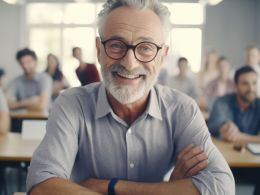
[{"x": 111, "y": 186}]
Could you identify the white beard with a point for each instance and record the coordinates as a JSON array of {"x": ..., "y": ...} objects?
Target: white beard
[{"x": 127, "y": 94}]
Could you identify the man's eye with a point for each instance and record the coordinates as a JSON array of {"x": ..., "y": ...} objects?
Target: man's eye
[
  {"x": 146, "y": 49},
  {"x": 116, "y": 46}
]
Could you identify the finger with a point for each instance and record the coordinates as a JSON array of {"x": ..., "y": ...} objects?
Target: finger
[
  {"x": 224, "y": 127},
  {"x": 196, "y": 169},
  {"x": 184, "y": 151},
  {"x": 196, "y": 150},
  {"x": 194, "y": 161}
]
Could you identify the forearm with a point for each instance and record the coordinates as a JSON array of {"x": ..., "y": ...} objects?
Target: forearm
[
  {"x": 184, "y": 187},
  {"x": 4, "y": 123},
  {"x": 57, "y": 186},
  {"x": 124, "y": 187},
  {"x": 246, "y": 138},
  {"x": 33, "y": 103}
]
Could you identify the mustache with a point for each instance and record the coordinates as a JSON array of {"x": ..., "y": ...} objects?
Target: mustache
[{"x": 119, "y": 68}]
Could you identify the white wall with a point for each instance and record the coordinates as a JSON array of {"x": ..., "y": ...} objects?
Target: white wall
[
  {"x": 258, "y": 22},
  {"x": 11, "y": 37},
  {"x": 230, "y": 27}
]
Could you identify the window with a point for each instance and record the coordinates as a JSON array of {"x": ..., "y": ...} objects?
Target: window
[
  {"x": 186, "y": 35},
  {"x": 57, "y": 27}
]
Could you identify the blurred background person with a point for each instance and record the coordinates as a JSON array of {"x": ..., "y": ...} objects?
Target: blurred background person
[
  {"x": 2, "y": 78},
  {"x": 220, "y": 86},
  {"x": 183, "y": 81},
  {"x": 236, "y": 116},
  {"x": 31, "y": 90},
  {"x": 162, "y": 77},
  {"x": 59, "y": 80},
  {"x": 87, "y": 73},
  {"x": 207, "y": 73},
  {"x": 209, "y": 70},
  {"x": 253, "y": 60}
]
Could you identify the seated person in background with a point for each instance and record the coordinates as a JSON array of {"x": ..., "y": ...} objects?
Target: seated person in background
[
  {"x": 127, "y": 132},
  {"x": 31, "y": 90},
  {"x": 236, "y": 117},
  {"x": 253, "y": 60},
  {"x": 208, "y": 71},
  {"x": 220, "y": 86},
  {"x": 2, "y": 75},
  {"x": 162, "y": 77},
  {"x": 182, "y": 81},
  {"x": 4, "y": 112},
  {"x": 86, "y": 73},
  {"x": 59, "y": 80}
]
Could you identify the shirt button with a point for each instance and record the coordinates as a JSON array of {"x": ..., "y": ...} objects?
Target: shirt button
[
  {"x": 130, "y": 131},
  {"x": 132, "y": 165}
]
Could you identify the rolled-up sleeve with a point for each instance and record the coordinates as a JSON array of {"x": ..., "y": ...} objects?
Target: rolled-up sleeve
[
  {"x": 56, "y": 154},
  {"x": 217, "y": 178}
]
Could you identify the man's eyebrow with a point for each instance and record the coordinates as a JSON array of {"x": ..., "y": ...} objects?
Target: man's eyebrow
[
  {"x": 117, "y": 37},
  {"x": 139, "y": 39}
]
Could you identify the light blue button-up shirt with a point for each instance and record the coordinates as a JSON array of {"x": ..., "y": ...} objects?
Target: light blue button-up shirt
[{"x": 85, "y": 139}]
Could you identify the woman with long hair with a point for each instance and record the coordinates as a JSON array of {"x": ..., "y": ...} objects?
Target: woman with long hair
[{"x": 59, "y": 80}]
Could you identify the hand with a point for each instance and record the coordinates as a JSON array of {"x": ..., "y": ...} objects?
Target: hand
[
  {"x": 230, "y": 132},
  {"x": 96, "y": 185},
  {"x": 190, "y": 161}
]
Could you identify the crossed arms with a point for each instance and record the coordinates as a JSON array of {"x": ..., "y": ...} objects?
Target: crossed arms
[{"x": 190, "y": 161}]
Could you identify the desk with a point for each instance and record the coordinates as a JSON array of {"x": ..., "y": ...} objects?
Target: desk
[
  {"x": 28, "y": 115},
  {"x": 236, "y": 159},
  {"x": 14, "y": 148},
  {"x": 17, "y": 117}
]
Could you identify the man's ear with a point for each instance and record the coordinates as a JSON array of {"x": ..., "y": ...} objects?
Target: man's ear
[
  {"x": 165, "y": 50},
  {"x": 98, "y": 45}
]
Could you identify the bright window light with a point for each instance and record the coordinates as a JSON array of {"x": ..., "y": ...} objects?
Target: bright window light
[
  {"x": 186, "y": 13},
  {"x": 44, "y": 13},
  {"x": 186, "y": 42},
  {"x": 44, "y": 41},
  {"x": 79, "y": 13}
]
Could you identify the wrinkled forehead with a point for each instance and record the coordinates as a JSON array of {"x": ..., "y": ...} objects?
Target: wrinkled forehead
[{"x": 133, "y": 24}]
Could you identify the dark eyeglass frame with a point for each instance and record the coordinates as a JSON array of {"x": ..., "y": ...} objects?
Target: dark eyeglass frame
[{"x": 130, "y": 47}]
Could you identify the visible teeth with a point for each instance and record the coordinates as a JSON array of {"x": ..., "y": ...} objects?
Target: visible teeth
[{"x": 128, "y": 76}]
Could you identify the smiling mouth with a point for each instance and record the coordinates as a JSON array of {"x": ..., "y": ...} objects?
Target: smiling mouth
[{"x": 127, "y": 76}]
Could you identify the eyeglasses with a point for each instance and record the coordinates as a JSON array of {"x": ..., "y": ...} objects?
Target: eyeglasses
[{"x": 143, "y": 51}]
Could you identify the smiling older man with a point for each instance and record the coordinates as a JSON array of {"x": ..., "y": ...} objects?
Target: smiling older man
[{"x": 123, "y": 135}]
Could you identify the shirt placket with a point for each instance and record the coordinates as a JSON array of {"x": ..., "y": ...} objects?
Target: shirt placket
[{"x": 131, "y": 156}]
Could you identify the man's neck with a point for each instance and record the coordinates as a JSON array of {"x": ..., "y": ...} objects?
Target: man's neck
[
  {"x": 128, "y": 112},
  {"x": 182, "y": 76},
  {"x": 29, "y": 76}
]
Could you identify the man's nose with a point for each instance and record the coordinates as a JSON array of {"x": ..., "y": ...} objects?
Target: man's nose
[{"x": 129, "y": 61}]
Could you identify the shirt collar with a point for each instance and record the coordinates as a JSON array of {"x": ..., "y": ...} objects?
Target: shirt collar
[
  {"x": 153, "y": 108},
  {"x": 103, "y": 107},
  {"x": 35, "y": 77},
  {"x": 251, "y": 106}
]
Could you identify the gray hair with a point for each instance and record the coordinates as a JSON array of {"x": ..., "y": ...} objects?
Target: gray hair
[{"x": 161, "y": 10}]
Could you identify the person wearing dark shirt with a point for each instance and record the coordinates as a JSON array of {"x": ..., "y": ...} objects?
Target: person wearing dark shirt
[
  {"x": 236, "y": 117},
  {"x": 87, "y": 73}
]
